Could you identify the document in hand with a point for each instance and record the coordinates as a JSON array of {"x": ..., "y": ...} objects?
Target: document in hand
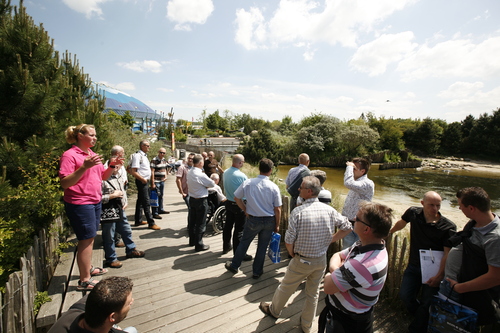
[{"x": 429, "y": 263}]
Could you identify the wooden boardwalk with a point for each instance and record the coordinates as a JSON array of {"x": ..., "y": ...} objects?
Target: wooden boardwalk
[{"x": 179, "y": 290}]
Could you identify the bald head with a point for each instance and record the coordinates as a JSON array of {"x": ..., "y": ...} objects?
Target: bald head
[
  {"x": 304, "y": 159},
  {"x": 431, "y": 195},
  {"x": 238, "y": 161},
  {"x": 432, "y": 204}
]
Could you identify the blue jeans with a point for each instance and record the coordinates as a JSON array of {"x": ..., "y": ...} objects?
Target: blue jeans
[
  {"x": 108, "y": 237},
  {"x": 410, "y": 287},
  {"x": 160, "y": 186},
  {"x": 197, "y": 221},
  {"x": 263, "y": 227}
]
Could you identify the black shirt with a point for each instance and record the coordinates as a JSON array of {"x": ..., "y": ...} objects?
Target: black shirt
[{"x": 425, "y": 235}]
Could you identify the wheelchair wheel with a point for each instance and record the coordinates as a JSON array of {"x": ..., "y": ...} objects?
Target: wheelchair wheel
[{"x": 218, "y": 219}]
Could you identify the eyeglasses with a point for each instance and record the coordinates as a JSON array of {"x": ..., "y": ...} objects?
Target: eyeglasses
[
  {"x": 358, "y": 220},
  {"x": 162, "y": 152}
]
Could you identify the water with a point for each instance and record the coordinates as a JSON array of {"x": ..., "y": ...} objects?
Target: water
[{"x": 402, "y": 188}]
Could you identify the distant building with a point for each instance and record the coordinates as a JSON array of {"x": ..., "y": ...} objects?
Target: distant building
[{"x": 119, "y": 102}]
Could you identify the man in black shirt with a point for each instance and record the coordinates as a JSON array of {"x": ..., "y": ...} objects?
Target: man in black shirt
[{"x": 429, "y": 230}]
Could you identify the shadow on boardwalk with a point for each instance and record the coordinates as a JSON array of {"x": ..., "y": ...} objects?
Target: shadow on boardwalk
[{"x": 179, "y": 290}]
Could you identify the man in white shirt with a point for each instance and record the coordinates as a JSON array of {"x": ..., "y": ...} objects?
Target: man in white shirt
[
  {"x": 141, "y": 170},
  {"x": 361, "y": 189},
  {"x": 198, "y": 184}
]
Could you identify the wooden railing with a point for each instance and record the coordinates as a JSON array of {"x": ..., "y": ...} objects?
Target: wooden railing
[{"x": 37, "y": 268}]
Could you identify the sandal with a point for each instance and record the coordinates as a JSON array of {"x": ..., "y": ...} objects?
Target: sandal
[
  {"x": 100, "y": 271},
  {"x": 86, "y": 285}
]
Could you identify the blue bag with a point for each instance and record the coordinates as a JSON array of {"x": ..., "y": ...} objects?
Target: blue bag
[
  {"x": 274, "y": 248},
  {"x": 447, "y": 316},
  {"x": 153, "y": 198}
]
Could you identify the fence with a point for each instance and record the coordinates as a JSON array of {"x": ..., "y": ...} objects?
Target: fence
[{"x": 37, "y": 268}]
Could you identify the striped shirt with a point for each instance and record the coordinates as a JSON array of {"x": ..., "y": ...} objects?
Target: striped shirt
[
  {"x": 311, "y": 228},
  {"x": 361, "y": 278},
  {"x": 159, "y": 165}
]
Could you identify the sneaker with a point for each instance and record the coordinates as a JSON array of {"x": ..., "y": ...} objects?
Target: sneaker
[
  {"x": 136, "y": 254},
  {"x": 156, "y": 216},
  {"x": 115, "y": 264},
  {"x": 154, "y": 227}
]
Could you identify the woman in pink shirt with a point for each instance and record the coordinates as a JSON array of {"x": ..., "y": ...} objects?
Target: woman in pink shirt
[{"x": 81, "y": 172}]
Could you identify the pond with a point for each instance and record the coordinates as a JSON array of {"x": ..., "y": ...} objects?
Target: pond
[{"x": 402, "y": 188}]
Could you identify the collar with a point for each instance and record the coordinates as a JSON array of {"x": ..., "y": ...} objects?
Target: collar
[{"x": 358, "y": 249}]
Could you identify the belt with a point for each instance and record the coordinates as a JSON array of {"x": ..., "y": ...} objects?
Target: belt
[
  {"x": 260, "y": 217},
  {"x": 197, "y": 198}
]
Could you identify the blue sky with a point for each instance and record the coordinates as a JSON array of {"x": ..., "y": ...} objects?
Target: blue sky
[{"x": 270, "y": 59}]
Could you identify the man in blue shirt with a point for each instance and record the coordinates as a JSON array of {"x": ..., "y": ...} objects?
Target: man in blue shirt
[
  {"x": 233, "y": 178},
  {"x": 263, "y": 213}
]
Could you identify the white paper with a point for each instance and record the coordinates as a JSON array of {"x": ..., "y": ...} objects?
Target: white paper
[{"x": 430, "y": 261}]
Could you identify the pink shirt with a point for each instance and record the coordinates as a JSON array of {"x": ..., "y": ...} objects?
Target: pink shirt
[{"x": 87, "y": 190}]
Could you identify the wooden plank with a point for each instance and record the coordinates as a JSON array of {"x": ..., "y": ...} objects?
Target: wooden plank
[{"x": 50, "y": 311}]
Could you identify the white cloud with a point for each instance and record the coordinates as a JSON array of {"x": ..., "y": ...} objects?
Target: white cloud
[
  {"x": 142, "y": 66},
  {"x": 461, "y": 89},
  {"x": 185, "y": 12},
  {"x": 125, "y": 86},
  {"x": 88, "y": 7},
  {"x": 251, "y": 28},
  {"x": 374, "y": 57},
  {"x": 165, "y": 90},
  {"x": 309, "y": 21},
  {"x": 453, "y": 58}
]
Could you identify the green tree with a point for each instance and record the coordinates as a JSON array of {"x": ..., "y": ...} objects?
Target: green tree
[
  {"x": 260, "y": 144},
  {"x": 357, "y": 140},
  {"x": 451, "y": 143},
  {"x": 426, "y": 138},
  {"x": 320, "y": 138}
]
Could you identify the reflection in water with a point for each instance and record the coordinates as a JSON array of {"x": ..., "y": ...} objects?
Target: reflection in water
[{"x": 407, "y": 186}]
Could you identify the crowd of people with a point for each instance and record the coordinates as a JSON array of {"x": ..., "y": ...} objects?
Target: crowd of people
[{"x": 95, "y": 195}]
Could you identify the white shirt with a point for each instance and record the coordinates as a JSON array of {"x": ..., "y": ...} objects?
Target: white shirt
[
  {"x": 141, "y": 163},
  {"x": 360, "y": 190},
  {"x": 198, "y": 183}
]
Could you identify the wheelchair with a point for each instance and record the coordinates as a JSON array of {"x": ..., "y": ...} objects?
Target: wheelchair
[{"x": 216, "y": 213}]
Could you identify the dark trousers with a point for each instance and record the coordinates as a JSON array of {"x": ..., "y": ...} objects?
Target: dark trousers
[
  {"x": 198, "y": 209},
  {"x": 234, "y": 217},
  {"x": 410, "y": 288},
  {"x": 143, "y": 203},
  {"x": 351, "y": 323}
]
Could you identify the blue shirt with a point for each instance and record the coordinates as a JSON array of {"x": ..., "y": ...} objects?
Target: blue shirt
[
  {"x": 262, "y": 196},
  {"x": 232, "y": 178}
]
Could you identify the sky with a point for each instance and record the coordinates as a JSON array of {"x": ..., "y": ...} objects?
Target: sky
[{"x": 276, "y": 58}]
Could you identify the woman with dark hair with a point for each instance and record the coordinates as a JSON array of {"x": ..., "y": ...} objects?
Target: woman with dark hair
[{"x": 81, "y": 172}]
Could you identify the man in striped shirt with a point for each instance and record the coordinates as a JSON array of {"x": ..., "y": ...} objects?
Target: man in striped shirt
[
  {"x": 357, "y": 274},
  {"x": 311, "y": 230}
]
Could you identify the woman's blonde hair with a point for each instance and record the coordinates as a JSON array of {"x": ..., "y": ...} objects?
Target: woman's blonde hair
[{"x": 72, "y": 132}]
